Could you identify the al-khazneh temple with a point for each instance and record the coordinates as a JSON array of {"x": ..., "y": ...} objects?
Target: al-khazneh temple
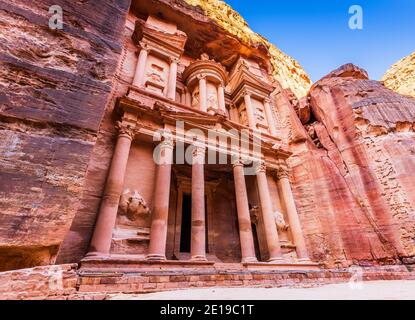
[{"x": 104, "y": 182}]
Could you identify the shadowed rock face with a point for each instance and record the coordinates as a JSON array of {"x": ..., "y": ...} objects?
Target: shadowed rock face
[
  {"x": 401, "y": 76},
  {"x": 54, "y": 87},
  {"x": 354, "y": 169}
]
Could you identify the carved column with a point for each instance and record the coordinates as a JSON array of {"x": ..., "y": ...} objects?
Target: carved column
[
  {"x": 221, "y": 98},
  {"x": 198, "y": 240},
  {"x": 244, "y": 219},
  {"x": 271, "y": 234},
  {"x": 202, "y": 93},
  {"x": 188, "y": 98},
  {"x": 140, "y": 68},
  {"x": 249, "y": 111},
  {"x": 270, "y": 118},
  {"x": 101, "y": 239},
  {"x": 293, "y": 219},
  {"x": 171, "y": 89},
  {"x": 159, "y": 222}
]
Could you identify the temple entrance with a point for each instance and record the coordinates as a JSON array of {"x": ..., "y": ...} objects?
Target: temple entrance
[{"x": 186, "y": 225}]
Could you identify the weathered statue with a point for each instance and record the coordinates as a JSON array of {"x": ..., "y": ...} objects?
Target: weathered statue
[
  {"x": 133, "y": 205},
  {"x": 195, "y": 98},
  {"x": 280, "y": 221},
  {"x": 253, "y": 212}
]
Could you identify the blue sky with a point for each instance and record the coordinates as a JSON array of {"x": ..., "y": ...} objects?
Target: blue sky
[{"x": 317, "y": 34}]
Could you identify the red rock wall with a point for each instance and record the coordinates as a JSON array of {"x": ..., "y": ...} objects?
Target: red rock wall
[
  {"x": 76, "y": 242},
  {"x": 54, "y": 89},
  {"x": 354, "y": 193}
]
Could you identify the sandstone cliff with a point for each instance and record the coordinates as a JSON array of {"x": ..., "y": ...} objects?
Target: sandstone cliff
[
  {"x": 353, "y": 169},
  {"x": 54, "y": 86},
  {"x": 286, "y": 70},
  {"x": 401, "y": 76}
]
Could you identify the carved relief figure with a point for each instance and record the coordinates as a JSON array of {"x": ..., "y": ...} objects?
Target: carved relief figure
[
  {"x": 195, "y": 98},
  {"x": 212, "y": 97},
  {"x": 155, "y": 74},
  {"x": 133, "y": 205},
  {"x": 280, "y": 221},
  {"x": 243, "y": 117},
  {"x": 253, "y": 212}
]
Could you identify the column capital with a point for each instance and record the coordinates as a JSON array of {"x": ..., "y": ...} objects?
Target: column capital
[
  {"x": 198, "y": 150},
  {"x": 144, "y": 46},
  {"x": 174, "y": 59},
  {"x": 167, "y": 142},
  {"x": 267, "y": 100},
  {"x": 237, "y": 163},
  {"x": 282, "y": 171},
  {"x": 261, "y": 167},
  {"x": 201, "y": 76},
  {"x": 245, "y": 92},
  {"x": 126, "y": 130}
]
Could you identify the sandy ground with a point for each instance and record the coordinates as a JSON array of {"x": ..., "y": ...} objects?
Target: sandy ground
[{"x": 380, "y": 290}]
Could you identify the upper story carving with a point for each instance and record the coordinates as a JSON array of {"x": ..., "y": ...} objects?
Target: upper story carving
[{"x": 241, "y": 93}]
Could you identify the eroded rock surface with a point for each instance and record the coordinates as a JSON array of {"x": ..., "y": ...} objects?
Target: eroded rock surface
[
  {"x": 401, "y": 76},
  {"x": 54, "y": 86},
  {"x": 353, "y": 170}
]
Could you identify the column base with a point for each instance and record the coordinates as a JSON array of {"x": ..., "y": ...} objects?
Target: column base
[
  {"x": 249, "y": 260},
  {"x": 198, "y": 258},
  {"x": 95, "y": 254},
  {"x": 156, "y": 257},
  {"x": 276, "y": 260},
  {"x": 304, "y": 260}
]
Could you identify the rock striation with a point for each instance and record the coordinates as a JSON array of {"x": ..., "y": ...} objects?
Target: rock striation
[
  {"x": 401, "y": 76},
  {"x": 54, "y": 86},
  {"x": 353, "y": 169}
]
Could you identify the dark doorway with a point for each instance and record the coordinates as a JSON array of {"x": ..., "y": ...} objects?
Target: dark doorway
[
  {"x": 186, "y": 227},
  {"x": 256, "y": 242}
]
